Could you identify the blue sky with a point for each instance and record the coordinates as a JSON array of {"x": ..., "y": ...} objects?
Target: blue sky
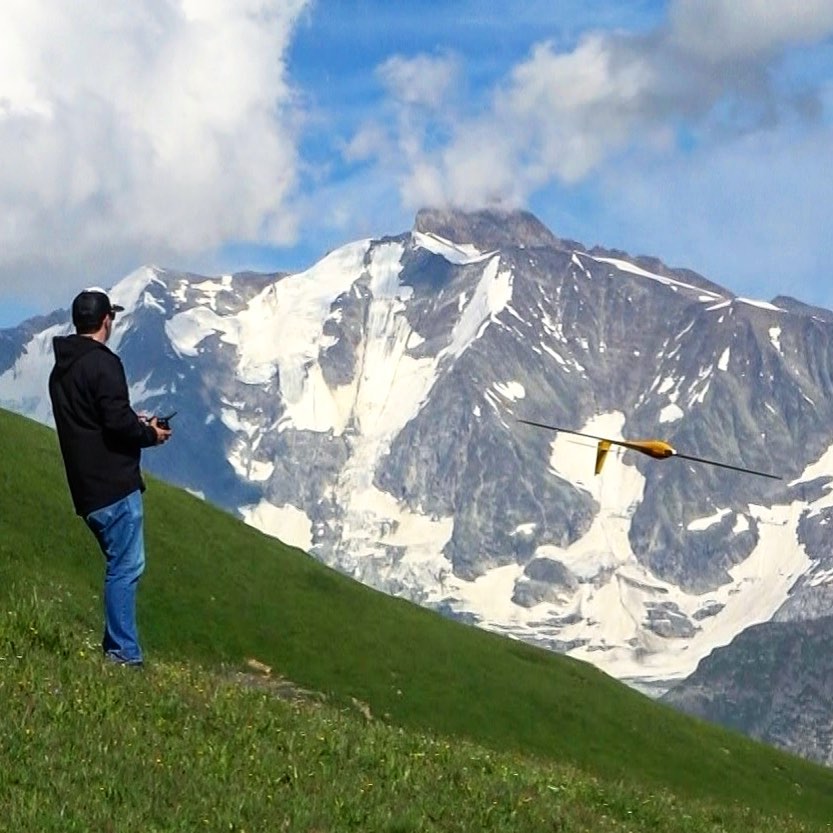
[{"x": 216, "y": 135}]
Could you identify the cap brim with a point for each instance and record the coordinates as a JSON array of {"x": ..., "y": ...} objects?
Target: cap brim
[{"x": 116, "y": 308}]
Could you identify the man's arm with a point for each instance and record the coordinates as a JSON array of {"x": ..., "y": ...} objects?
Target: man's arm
[{"x": 117, "y": 417}]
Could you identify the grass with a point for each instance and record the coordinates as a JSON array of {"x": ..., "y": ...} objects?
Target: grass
[
  {"x": 463, "y": 721},
  {"x": 89, "y": 746}
]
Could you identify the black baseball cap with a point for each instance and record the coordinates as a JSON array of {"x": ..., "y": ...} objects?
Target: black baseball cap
[{"x": 91, "y": 307}]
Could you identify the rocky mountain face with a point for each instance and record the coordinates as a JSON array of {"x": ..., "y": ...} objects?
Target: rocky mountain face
[
  {"x": 367, "y": 411},
  {"x": 773, "y": 682}
]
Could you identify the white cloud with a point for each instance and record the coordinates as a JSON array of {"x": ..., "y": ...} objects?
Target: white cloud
[
  {"x": 424, "y": 79},
  {"x": 478, "y": 167},
  {"x": 709, "y": 70},
  {"x": 370, "y": 141},
  {"x": 739, "y": 29},
  {"x": 578, "y": 106},
  {"x": 142, "y": 129},
  {"x": 158, "y": 130}
]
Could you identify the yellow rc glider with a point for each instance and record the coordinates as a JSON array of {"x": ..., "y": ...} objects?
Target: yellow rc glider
[{"x": 658, "y": 449}]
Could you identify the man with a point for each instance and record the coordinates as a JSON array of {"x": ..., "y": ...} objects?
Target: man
[{"x": 101, "y": 438}]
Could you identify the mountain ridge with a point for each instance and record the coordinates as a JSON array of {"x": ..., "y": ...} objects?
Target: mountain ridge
[{"x": 368, "y": 408}]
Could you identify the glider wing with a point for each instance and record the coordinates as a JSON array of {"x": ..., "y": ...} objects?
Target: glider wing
[
  {"x": 658, "y": 449},
  {"x": 726, "y": 466}
]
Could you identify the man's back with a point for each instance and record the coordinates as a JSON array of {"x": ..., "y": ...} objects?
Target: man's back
[{"x": 100, "y": 435}]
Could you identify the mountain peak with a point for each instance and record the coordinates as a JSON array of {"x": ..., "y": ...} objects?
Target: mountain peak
[
  {"x": 486, "y": 228},
  {"x": 800, "y": 308}
]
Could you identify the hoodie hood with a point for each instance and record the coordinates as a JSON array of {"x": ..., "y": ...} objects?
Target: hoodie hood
[{"x": 68, "y": 349}]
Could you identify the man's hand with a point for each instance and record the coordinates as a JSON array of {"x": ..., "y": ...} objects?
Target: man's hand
[{"x": 162, "y": 434}]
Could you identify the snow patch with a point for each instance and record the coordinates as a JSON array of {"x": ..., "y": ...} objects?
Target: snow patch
[
  {"x": 246, "y": 466},
  {"x": 414, "y": 340},
  {"x": 23, "y": 386},
  {"x": 823, "y": 467},
  {"x": 625, "y": 266},
  {"x": 187, "y": 329},
  {"x": 671, "y": 413},
  {"x": 760, "y": 304},
  {"x": 741, "y": 524},
  {"x": 286, "y": 522},
  {"x": 129, "y": 290},
  {"x": 282, "y": 327},
  {"x": 667, "y": 384},
  {"x": 149, "y": 302},
  {"x": 513, "y": 391},
  {"x": 493, "y": 293},
  {"x": 210, "y": 289},
  {"x": 459, "y": 254},
  {"x": 140, "y": 392},
  {"x": 700, "y": 524},
  {"x": 576, "y": 260}
]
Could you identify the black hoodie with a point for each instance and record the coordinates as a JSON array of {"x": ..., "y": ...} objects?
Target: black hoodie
[{"x": 101, "y": 436}]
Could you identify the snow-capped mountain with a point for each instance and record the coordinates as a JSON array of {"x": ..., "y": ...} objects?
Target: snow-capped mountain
[{"x": 367, "y": 411}]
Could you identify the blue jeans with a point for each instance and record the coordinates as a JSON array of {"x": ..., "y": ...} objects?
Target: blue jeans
[{"x": 118, "y": 529}]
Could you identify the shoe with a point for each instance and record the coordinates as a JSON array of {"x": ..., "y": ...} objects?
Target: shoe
[{"x": 115, "y": 659}]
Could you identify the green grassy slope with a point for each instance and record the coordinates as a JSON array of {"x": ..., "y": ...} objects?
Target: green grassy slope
[
  {"x": 88, "y": 746},
  {"x": 217, "y": 592}
]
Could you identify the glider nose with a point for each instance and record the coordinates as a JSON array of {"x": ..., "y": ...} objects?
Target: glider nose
[{"x": 658, "y": 449}]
